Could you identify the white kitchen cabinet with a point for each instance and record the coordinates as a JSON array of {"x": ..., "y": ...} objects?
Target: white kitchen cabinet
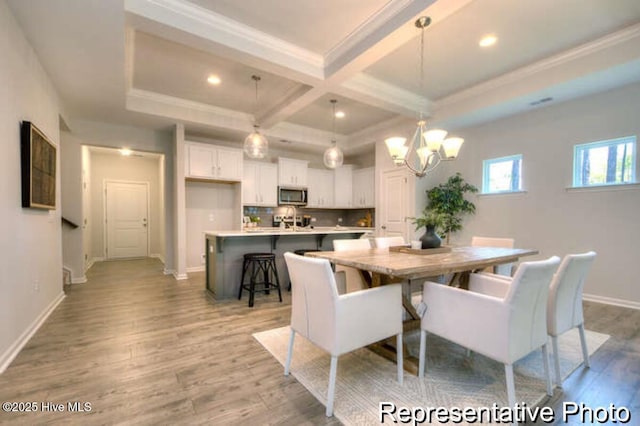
[
  {"x": 205, "y": 161},
  {"x": 292, "y": 173},
  {"x": 260, "y": 184},
  {"x": 320, "y": 188},
  {"x": 343, "y": 186},
  {"x": 363, "y": 188}
]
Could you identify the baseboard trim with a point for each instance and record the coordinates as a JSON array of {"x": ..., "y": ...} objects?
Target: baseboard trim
[
  {"x": 611, "y": 301},
  {"x": 79, "y": 280},
  {"x": 168, "y": 271},
  {"x": 196, "y": 269},
  {"x": 16, "y": 347},
  {"x": 158, "y": 256},
  {"x": 179, "y": 277}
]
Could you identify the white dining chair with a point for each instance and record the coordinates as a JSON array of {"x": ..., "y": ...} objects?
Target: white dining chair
[
  {"x": 564, "y": 307},
  {"x": 503, "y": 327},
  {"x": 354, "y": 280},
  {"x": 340, "y": 323},
  {"x": 504, "y": 269},
  {"x": 386, "y": 242}
]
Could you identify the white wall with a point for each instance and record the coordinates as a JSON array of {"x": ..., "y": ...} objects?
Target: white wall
[
  {"x": 71, "y": 184},
  {"x": 120, "y": 168},
  {"x": 209, "y": 207},
  {"x": 30, "y": 247},
  {"x": 548, "y": 217}
]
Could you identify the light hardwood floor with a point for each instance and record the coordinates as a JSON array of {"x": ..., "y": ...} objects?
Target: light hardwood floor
[{"x": 145, "y": 349}]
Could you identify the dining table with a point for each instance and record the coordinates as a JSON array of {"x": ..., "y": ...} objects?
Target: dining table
[{"x": 453, "y": 265}]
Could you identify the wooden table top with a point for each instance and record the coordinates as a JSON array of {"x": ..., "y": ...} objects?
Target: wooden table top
[{"x": 409, "y": 266}]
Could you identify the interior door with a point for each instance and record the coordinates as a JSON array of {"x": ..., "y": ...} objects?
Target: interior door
[
  {"x": 127, "y": 219},
  {"x": 394, "y": 204}
]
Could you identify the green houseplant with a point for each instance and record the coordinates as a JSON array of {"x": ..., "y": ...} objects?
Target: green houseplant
[
  {"x": 448, "y": 200},
  {"x": 430, "y": 220}
]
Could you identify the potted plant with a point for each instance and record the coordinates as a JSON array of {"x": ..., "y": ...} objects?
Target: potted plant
[
  {"x": 448, "y": 200},
  {"x": 430, "y": 219}
]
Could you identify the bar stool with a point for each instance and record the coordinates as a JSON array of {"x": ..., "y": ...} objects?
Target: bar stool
[
  {"x": 259, "y": 263},
  {"x": 300, "y": 253}
]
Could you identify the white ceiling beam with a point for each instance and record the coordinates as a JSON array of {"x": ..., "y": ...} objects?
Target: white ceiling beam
[{"x": 186, "y": 23}]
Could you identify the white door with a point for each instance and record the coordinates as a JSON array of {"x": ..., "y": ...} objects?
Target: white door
[
  {"x": 127, "y": 219},
  {"x": 394, "y": 204}
]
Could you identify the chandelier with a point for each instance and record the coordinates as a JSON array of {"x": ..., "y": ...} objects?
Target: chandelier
[
  {"x": 256, "y": 144},
  {"x": 427, "y": 148},
  {"x": 333, "y": 156}
]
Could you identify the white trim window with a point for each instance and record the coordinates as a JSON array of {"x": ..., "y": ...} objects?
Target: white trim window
[
  {"x": 610, "y": 162},
  {"x": 502, "y": 174}
]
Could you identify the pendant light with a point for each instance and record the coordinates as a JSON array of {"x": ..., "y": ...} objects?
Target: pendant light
[
  {"x": 256, "y": 144},
  {"x": 333, "y": 156},
  {"x": 427, "y": 148}
]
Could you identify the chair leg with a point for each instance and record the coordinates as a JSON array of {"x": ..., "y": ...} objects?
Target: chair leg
[
  {"x": 511, "y": 389},
  {"x": 423, "y": 349},
  {"x": 583, "y": 343},
  {"x": 399, "y": 358},
  {"x": 332, "y": 385},
  {"x": 547, "y": 371},
  {"x": 244, "y": 270},
  {"x": 556, "y": 360},
  {"x": 287, "y": 365}
]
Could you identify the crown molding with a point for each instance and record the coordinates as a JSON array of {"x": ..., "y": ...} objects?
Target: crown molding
[
  {"x": 203, "y": 23},
  {"x": 389, "y": 93},
  {"x": 611, "y": 40}
]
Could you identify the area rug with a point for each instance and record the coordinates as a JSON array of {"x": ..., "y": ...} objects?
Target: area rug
[{"x": 452, "y": 379}]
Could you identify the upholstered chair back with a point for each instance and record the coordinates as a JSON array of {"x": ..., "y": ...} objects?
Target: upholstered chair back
[
  {"x": 354, "y": 244},
  {"x": 492, "y": 242},
  {"x": 565, "y": 294},
  {"x": 385, "y": 242},
  {"x": 313, "y": 299},
  {"x": 527, "y": 298},
  {"x": 504, "y": 269},
  {"x": 353, "y": 278}
]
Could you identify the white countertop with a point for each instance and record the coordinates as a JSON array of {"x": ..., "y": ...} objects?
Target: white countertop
[{"x": 265, "y": 231}]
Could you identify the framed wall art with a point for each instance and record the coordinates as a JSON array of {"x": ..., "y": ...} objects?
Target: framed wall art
[{"x": 38, "y": 165}]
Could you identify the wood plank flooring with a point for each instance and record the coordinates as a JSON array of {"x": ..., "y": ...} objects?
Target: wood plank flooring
[{"x": 143, "y": 348}]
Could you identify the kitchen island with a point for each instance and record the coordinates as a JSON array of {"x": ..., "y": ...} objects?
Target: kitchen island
[{"x": 225, "y": 250}]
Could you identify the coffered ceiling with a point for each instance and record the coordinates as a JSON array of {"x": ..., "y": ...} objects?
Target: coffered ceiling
[{"x": 145, "y": 62}]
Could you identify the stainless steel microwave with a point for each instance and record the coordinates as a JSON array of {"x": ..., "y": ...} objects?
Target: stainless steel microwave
[{"x": 292, "y": 196}]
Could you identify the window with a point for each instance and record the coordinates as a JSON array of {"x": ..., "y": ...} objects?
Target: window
[
  {"x": 502, "y": 174},
  {"x": 609, "y": 162}
]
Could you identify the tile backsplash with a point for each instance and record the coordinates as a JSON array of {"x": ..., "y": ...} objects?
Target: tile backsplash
[{"x": 324, "y": 217}]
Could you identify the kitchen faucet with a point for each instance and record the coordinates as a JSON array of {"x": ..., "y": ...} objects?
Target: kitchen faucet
[{"x": 294, "y": 226}]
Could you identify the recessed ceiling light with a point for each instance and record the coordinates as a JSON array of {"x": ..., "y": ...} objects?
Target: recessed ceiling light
[
  {"x": 340, "y": 114},
  {"x": 125, "y": 151},
  {"x": 488, "y": 40},
  {"x": 214, "y": 79}
]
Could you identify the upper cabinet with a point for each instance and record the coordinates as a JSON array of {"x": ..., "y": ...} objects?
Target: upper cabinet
[
  {"x": 292, "y": 172},
  {"x": 320, "y": 188},
  {"x": 205, "y": 161},
  {"x": 260, "y": 184},
  {"x": 343, "y": 186},
  {"x": 363, "y": 188}
]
